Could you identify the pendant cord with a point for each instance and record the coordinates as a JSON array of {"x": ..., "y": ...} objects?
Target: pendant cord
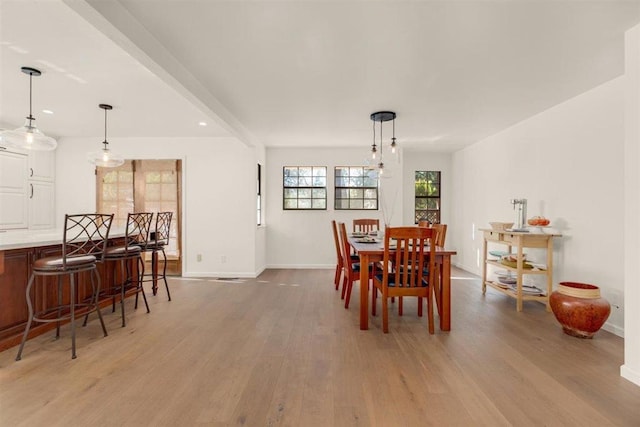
[
  {"x": 30, "y": 98},
  {"x": 105, "y": 130},
  {"x": 374, "y": 134}
]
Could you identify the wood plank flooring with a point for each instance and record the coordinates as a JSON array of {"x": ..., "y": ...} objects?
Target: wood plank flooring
[{"x": 281, "y": 350}]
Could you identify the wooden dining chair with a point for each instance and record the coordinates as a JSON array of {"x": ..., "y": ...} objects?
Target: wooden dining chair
[
  {"x": 339, "y": 255},
  {"x": 408, "y": 269},
  {"x": 442, "y": 234},
  {"x": 351, "y": 267},
  {"x": 366, "y": 225}
]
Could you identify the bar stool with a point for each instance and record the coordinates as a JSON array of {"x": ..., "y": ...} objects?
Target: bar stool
[
  {"x": 157, "y": 241},
  {"x": 84, "y": 241},
  {"x": 137, "y": 232}
]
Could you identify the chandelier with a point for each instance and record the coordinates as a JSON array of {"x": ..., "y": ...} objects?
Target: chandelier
[{"x": 377, "y": 153}]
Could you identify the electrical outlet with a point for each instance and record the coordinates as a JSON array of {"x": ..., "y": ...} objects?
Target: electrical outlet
[
  {"x": 199, "y": 257},
  {"x": 223, "y": 259}
]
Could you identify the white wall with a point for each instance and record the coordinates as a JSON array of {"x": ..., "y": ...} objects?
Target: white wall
[
  {"x": 568, "y": 163},
  {"x": 303, "y": 239},
  {"x": 631, "y": 367},
  {"x": 219, "y": 196}
]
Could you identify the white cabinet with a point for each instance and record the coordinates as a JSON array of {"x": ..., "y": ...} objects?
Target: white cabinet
[
  {"x": 41, "y": 205},
  {"x": 27, "y": 189},
  {"x": 41, "y": 189},
  {"x": 13, "y": 190},
  {"x": 42, "y": 165}
]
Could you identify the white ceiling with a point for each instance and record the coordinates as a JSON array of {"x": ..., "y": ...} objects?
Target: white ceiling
[{"x": 305, "y": 73}]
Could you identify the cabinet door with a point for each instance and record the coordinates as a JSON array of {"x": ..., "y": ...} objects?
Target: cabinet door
[
  {"x": 41, "y": 205},
  {"x": 13, "y": 190},
  {"x": 42, "y": 165}
]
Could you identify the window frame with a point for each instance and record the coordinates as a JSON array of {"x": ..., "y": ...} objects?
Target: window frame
[
  {"x": 337, "y": 189},
  {"x": 426, "y": 214},
  {"x": 311, "y": 188}
]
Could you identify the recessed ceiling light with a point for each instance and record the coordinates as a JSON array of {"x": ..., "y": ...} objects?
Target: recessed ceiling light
[
  {"x": 202, "y": 123},
  {"x": 47, "y": 111}
]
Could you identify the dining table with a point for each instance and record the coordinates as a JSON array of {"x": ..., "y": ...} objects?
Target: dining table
[{"x": 372, "y": 250}]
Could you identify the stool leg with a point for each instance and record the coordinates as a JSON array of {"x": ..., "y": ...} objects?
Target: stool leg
[
  {"x": 30, "y": 307},
  {"x": 154, "y": 271},
  {"x": 114, "y": 280},
  {"x": 164, "y": 274},
  {"x": 140, "y": 288},
  {"x": 59, "y": 306},
  {"x": 72, "y": 307},
  {"x": 96, "y": 292},
  {"x": 124, "y": 265}
]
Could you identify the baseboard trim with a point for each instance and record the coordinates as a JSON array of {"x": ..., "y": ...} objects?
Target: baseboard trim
[
  {"x": 303, "y": 266},
  {"x": 219, "y": 274},
  {"x": 630, "y": 374},
  {"x": 614, "y": 329}
]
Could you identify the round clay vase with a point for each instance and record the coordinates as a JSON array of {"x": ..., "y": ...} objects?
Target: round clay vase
[{"x": 579, "y": 308}]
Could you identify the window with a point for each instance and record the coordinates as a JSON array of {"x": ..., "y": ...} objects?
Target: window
[
  {"x": 427, "y": 196},
  {"x": 115, "y": 192},
  {"x": 356, "y": 187},
  {"x": 259, "y": 194},
  {"x": 304, "y": 187}
]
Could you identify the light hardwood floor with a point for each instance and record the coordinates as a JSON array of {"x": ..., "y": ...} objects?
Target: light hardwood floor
[{"x": 282, "y": 350}]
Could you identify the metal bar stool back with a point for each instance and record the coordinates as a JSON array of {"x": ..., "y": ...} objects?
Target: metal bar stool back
[
  {"x": 157, "y": 241},
  {"x": 84, "y": 242},
  {"x": 137, "y": 232}
]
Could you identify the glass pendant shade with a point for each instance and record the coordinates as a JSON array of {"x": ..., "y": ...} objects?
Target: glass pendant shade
[
  {"x": 29, "y": 137},
  {"x": 105, "y": 157}
]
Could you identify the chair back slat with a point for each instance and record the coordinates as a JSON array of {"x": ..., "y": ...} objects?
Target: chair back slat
[
  {"x": 366, "y": 225},
  {"x": 85, "y": 234}
]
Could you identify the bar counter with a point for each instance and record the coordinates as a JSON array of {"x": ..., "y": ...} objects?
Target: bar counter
[{"x": 18, "y": 250}]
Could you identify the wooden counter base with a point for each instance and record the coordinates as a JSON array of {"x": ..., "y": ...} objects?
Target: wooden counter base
[{"x": 15, "y": 269}]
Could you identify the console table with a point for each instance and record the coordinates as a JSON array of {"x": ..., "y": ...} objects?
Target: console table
[{"x": 519, "y": 240}]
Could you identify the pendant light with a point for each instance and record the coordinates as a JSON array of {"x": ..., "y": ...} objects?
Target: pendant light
[
  {"x": 105, "y": 157},
  {"x": 28, "y": 136},
  {"x": 382, "y": 116}
]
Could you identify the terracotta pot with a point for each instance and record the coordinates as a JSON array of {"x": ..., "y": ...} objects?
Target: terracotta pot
[{"x": 579, "y": 308}]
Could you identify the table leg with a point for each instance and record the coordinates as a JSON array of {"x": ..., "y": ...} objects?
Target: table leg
[
  {"x": 445, "y": 292},
  {"x": 364, "y": 292}
]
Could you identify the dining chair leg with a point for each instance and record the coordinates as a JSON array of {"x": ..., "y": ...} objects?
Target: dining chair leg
[
  {"x": 345, "y": 281},
  {"x": 419, "y": 306},
  {"x": 374, "y": 294},
  {"x": 430, "y": 310},
  {"x": 400, "y": 307},
  {"x": 385, "y": 314},
  {"x": 336, "y": 279},
  {"x": 348, "y": 296}
]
